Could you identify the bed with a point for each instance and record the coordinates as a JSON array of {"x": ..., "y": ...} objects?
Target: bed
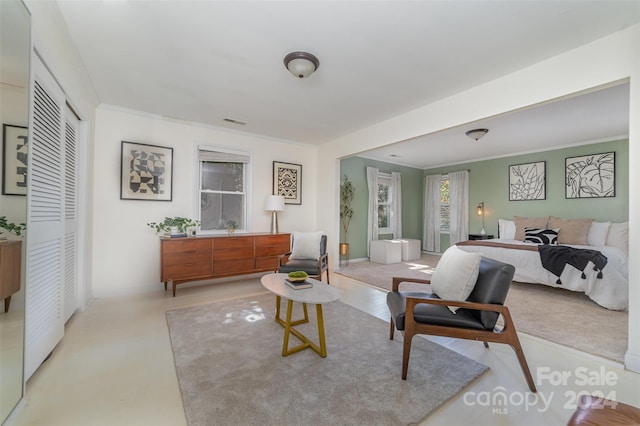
[{"x": 608, "y": 287}]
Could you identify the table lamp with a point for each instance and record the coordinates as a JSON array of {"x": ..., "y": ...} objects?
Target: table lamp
[{"x": 274, "y": 204}]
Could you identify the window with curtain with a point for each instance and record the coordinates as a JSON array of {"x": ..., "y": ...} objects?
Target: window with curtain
[
  {"x": 222, "y": 189},
  {"x": 385, "y": 204},
  {"x": 445, "y": 207}
]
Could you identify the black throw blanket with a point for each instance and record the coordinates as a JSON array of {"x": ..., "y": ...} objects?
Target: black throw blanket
[{"x": 555, "y": 258}]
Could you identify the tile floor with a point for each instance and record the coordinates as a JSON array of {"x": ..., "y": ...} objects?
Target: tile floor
[{"x": 115, "y": 367}]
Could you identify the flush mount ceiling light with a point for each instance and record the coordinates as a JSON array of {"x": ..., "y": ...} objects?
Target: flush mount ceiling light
[
  {"x": 301, "y": 64},
  {"x": 477, "y": 133}
]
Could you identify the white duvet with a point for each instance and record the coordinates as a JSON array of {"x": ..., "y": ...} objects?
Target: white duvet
[{"x": 610, "y": 291}]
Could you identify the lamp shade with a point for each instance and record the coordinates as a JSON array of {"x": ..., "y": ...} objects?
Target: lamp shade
[{"x": 274, "y": 203}]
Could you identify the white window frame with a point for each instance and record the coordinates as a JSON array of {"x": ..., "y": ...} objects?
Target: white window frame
[
  {"x": 246, "y": 193},
  {"x": 385, "y": 178},
  {"x": 443, "y": 229}
]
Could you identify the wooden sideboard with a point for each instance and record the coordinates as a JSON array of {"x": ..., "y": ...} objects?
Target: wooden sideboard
[
  {"x": 10, "y": 256},
  {"x": 215, "y": 256}
]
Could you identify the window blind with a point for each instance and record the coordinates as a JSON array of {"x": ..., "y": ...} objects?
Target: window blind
[{"x": 222, "y": 157}]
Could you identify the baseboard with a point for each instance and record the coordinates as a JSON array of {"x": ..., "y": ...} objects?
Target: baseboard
[{"x": 632, "y": 361}]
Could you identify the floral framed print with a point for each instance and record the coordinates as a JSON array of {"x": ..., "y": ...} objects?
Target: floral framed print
[
  {"x": 287, "y": 181},
  {"x": 590, "y": 176},
  {"x": 146, "y": 172},
  {"x": 15, "y": 148},
  {"x": 527, "y": 181}
]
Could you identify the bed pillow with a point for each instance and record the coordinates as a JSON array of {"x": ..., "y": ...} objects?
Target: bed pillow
[
  {"x": 530, "y": 222},
  {"x": 541, "y": 236},
  {"x": 306, "y": 245},
  {"x": 455, "y": 275},
  {"x": 618, "y": 235},
  {"x": 506, "y": 229},
  {"x": 572, "y": 231},
  {"x": 597, "y": 235}
]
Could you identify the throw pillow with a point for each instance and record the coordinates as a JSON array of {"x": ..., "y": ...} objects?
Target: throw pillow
[
  {"x": 306, "y": 245},
  {"x": 531, "y": 222},
  {"x": 618, "y": 236},
  {"x": 572, "y": 231},
  {"x": 541, "y": 236},
  {"x": 455, "y": 275},
  {"x": 506, "y": 229},
  {"x": 597, "y": 235}
]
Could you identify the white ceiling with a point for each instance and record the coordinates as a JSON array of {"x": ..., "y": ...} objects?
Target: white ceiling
[{"x": 204, "y": 61}]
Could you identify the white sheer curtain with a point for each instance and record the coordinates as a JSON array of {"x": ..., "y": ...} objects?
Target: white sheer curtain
[
  {"x": 396, "y": 196},
  {"x": 431, "y": 239},
  {"x": 372, "y": 216},
  {"x": 459, "y": 203}
]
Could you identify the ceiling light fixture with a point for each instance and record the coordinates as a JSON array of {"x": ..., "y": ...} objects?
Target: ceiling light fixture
[
  {"x": 301, "y": 64},
  {"x": 477, "y": 133}
]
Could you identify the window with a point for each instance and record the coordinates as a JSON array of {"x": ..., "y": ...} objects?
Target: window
[
  {"x": 385, "y": 202},
  {"x": 223, "y": 190},
  {"x": 444, "y": 204}
]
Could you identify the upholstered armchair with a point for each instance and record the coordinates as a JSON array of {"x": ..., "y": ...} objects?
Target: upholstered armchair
[
  {"x": 308, "y": 254},
  {"x": 475, "y": 315}
]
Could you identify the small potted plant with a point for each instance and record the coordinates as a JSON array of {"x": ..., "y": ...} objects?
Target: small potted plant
[
  {"x": 173, "y": 225},
  {"x": 11, "y": 227}
]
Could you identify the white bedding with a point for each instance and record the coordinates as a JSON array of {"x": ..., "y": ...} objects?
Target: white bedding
[{"x": 610, "y": 291}]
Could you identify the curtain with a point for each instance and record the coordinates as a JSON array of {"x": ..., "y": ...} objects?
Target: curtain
[
  {"x": 431, "y": 240},
  {"x": 372, "y": 216},
  {"x": 459, "y": 202},
  {"x": 396, "y": 196}
]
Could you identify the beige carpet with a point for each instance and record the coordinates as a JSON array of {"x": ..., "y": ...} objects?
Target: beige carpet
[
  {"x": 561, "y": 316},
  {"x": 231, "y": 371}
]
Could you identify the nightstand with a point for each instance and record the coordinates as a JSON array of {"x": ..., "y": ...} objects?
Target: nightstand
[{"x": 480, "y": 237}]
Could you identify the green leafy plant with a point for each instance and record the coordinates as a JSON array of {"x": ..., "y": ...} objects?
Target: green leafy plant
[
  {"x": 347, "y": 192},
  {"x": 182, "y": 223},
  {"x": 12, "y": 227}
]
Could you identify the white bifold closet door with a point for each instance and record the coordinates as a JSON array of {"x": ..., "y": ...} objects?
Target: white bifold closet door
[
  {"x": 71, "y": 254},
  {"x": 45, "y": 248}
]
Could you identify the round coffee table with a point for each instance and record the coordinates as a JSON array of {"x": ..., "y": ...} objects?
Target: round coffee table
[{"x": 318, "y": 294}]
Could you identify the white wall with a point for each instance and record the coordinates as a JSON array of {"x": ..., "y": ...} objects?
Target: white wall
[
  {"x": 126, "y": 252},
  {"x": 607, "y": 60}
]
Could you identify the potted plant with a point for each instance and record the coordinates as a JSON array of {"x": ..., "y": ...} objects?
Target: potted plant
[
  {"x": 11, "y": 227},
  {"x": 347, "y": 192},
  {"x": 173, "y": 225}
]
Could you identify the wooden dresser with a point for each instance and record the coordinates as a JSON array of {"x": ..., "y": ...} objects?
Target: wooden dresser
[
  {"x": 215, "y": 256},
  {"x": 10, "y": 258}
]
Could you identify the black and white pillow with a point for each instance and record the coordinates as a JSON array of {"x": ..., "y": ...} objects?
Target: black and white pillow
[{"x": 541, "y": 236}]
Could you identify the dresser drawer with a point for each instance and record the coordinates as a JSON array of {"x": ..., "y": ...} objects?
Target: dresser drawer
[
  {"x": 233, "y": 266},
  {"x": 233, "y": 253},
  {"x": 185, "y": 258},
  {"x": 232, "y": 242},
  {"x": 271, "y": 245},
  {"x": 269, "y": 263}
]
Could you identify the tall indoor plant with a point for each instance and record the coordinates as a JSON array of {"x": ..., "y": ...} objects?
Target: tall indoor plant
[{"x": 347, "y": 192}]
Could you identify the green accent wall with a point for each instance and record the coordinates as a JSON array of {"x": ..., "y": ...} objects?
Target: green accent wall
[
  {"x": 489, "y": 182},
  {"x": 412, "y": 201}
]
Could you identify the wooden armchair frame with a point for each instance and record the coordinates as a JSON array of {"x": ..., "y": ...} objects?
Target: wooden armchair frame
[
  {"x": 507, "y": 334},
  {"x": 323, "y": 265}
]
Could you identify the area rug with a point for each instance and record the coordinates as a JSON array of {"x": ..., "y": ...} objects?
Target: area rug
[
  {"x": 561, "y": 316},
  {"x": 231, "y": 371}
]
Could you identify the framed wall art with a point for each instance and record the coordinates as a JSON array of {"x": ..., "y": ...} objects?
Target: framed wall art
[
  {"x": 146, "y": 172},
  {"x": 527, "y": 181},
  {"x": 14, "y": 159},
  {"x": 287, "y": 181},
  {"x": 590, "y": 176}
]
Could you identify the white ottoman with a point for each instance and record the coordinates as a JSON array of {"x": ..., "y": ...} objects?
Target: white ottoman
[
  {"x": 410, "y": 249},
  {"x": 385, "y": 251}
]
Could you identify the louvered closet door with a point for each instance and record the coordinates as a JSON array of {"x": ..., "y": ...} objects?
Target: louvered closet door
[
  {"x": 44, "y": 326},
  {"x": 70, "y": 215}
]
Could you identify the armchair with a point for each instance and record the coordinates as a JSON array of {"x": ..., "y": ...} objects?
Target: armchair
[
  {"x": 299, "y": 259},
  {"x": 425, "y": 313}
]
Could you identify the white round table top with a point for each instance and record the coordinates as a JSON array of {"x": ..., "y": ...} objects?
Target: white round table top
[{"x": 319, "y": 293}]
